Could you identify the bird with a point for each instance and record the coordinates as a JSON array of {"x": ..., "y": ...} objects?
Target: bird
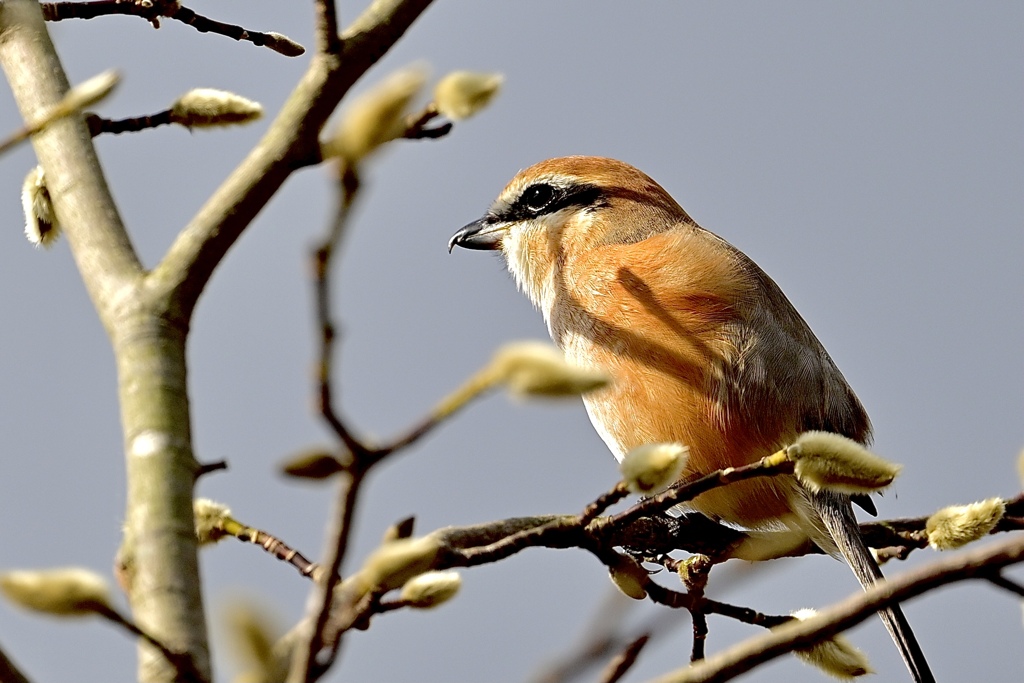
[{"x": 704, "y": 347}]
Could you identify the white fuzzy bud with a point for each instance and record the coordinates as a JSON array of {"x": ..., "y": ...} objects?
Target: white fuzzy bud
[
  {"x": 431, "y": 589},
  {"x": 539, "y": 369},
  {"x": 376, "y": 117},
  {"x": 206, "y": 107},
  {"x": 957, "y": 525},
  {"x": 210, "y": 517},
  {"x": 462, "y": 94},
  {"x": 831, "y": 462},
  {"x": 90, "y": 91},
  {"x": 653, "y": 467},
  {"x": 395, "y": 562},
  {"x": 836, "y": 656},
  {"x": 66, "y": 592},
  {"x": 41, "y": 226}
]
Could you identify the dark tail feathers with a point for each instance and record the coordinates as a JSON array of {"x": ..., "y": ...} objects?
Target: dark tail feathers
[{"x": 837, "y": 514}]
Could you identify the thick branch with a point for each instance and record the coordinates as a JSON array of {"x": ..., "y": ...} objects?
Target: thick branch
[
  {"x": 82, "y": 201},
  {"x": 289, "y": 144},
  {"x": 149, "y": 346},
  {"x": 801, "y": 633}
]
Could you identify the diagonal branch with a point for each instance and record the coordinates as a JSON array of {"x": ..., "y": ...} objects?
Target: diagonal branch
[
  {"x": 290, "y": 143},
  {"x": 850, "y": 612},
  {"x": 9, "y": 671}
]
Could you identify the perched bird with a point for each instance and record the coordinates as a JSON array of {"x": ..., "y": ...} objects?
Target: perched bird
[{"x": 704, "y": 347}]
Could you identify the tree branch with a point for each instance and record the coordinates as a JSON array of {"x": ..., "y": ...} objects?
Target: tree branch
[
  {"x": 170, "y": 9},
  {"x": 850, "y": 612},
  {"x": 81, "y": 198},
  {"x": 149, "y": 347},
  {"x": 290, "y": 143},
  {"x": 327, "y": 39},
  {"x": 9, "y": 671}
]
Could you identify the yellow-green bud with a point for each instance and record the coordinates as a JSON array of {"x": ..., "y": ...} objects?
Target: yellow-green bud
[
  {"x": 376, "y": 117},
  {"x": 41, "y": 226},
  {"x": 206, "y": 107},
  {"x": 462, "y": 94},
  {"x": 66, "y": 592},
  {"x": 394, "y": 563},
  {"x": 653, "y": 467},
  {"x": 836, "y": 656},
  {"x": 629, "y": 577},
  {"x": 831, "y": 462},
  {"x": 957, "y": 525},
  {"x": 532, "y": 368},
  {"x": 313, "y": 463},
  {"x": 431, "y": 589}
]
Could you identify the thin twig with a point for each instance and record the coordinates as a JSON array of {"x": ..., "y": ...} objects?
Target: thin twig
[
  {"x": 180, "y": 660},
  {"x": 324, "y": 644},
  {"x": 211, "y": 467},
  {"x": 681, "y": 493},
  {"x": 9, "y": 671},
  {"x": 1006, "y": 584},
  {"x": 278, "y": 548},
  {"x": 327, "y": 39},
  {"x": 99, "y": 125},
  {"x": 694, "y": 574},
  {"x": 603, "y": 502},
  {"x": 323, "y": 256},
  {"x": 416, "y": 125},
  {"x": 170, "y": 9},
  {"x": 679, "y": 600},
  {"x": 618, "y": 667}
]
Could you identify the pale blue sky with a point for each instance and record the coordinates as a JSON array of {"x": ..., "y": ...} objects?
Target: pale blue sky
[{"x": 869, "y": 156}]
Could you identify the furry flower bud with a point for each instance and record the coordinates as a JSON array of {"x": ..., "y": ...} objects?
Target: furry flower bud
[
  {"x": 207, "y": 107},
  {"x": 65, "y": 592},
  {"x": 462, "y": 94},
  {"x": 653, "y": 467},
  {"x": 538, "y": 369},
  {"x": 431, "y": 589},
  {"x": 830, "y": 462},
  {"x": 629, "y": 577},
  {"x": 210, "y": 518},
  {"x": 957, "y": 525},
  {"x": 394, "y": 563},
  {"x": 376, "y": 117},
  {"x": 41, "y": 226},
  {"x": 836, "y": 656}
]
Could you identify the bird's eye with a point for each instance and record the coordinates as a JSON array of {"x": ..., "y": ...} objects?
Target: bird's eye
[{"x": 537, "y": 197}]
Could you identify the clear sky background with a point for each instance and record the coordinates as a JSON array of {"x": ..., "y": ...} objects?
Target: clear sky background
[{"x": 869, "y": 156}]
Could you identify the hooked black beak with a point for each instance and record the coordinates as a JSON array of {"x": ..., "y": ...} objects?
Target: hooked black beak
[{"x": 480, "y": 234}]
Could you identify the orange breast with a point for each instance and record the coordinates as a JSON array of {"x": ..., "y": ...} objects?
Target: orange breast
[{"x": 661, "y": 330}]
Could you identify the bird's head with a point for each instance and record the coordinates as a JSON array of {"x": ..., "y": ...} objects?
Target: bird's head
[{"x": 558, "y": 210}]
